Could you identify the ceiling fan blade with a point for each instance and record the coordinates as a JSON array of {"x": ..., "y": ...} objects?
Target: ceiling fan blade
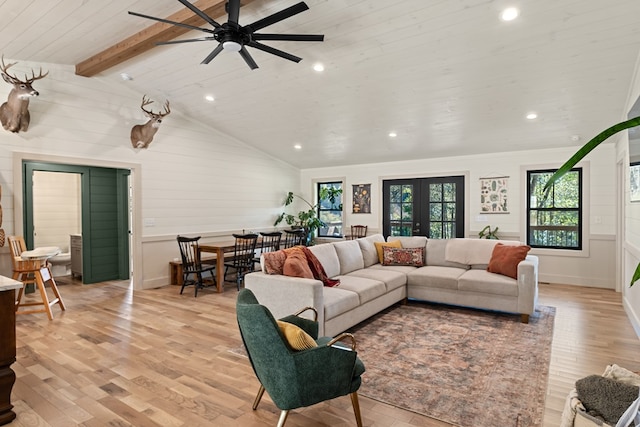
[
  {"x": 278, "y": 16},
  {"x": 179, "y": 24},
  {"x": 200, "y": 13},
  {"x": 233, "y": 7},
  {"x": 274, "y": 51},
  {"x": 247, "y": 58},
  {"x": 290, "y": 37},
  {"x": 200, "y": 39},
  {"x": 213, "y": 54}
]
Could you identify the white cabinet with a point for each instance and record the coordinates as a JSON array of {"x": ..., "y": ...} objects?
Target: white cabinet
[{"x": 76, "y": 255}]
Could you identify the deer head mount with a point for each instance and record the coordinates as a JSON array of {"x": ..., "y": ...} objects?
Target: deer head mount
[
  {"x": 14, "y": 114},
  {"x": 142, "y": 135}
]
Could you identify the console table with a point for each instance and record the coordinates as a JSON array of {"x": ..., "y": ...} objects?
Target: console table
[{"x": 7, "y": 345}]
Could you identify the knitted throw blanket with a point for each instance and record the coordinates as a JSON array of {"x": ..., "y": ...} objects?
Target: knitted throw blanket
[{"x": 605, "y": 398}]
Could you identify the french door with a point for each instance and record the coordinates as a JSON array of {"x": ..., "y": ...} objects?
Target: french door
[{"x": 432, "y": 207}]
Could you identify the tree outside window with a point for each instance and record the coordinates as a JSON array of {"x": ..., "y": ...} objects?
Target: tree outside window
[
  {"x": 555, "y": 221},
  {"x": 330, "y": 209}
]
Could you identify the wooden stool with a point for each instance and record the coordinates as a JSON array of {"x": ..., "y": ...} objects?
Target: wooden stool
[{"x": 39, "y": 274}]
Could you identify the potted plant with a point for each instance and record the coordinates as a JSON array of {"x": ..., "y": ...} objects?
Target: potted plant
[
  {"x": 308, "y": 219},
  {"x": 488, "y": 233}
]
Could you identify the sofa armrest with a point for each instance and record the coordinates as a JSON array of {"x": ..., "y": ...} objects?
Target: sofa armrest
[
  {"x": 284, "y": 295},
  {"x": 528, "y": 284}
]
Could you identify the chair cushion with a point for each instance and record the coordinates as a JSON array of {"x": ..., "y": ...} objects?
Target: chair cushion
[
  {"x": 505, "y": 259},
  {"x": 296, "y": 337},
  {"x": 380, "y": 245}
]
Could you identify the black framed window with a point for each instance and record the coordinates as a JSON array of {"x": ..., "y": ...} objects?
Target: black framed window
[
  {"x": 330, "y": 208},
  {"x": 554, "y": 222}
]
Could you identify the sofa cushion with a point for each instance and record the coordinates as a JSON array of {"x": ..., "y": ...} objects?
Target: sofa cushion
[
  {"x": 338, "y": 301},
  {"x": 349, "y": 255},
  {"x": 435, "y": 277},
  {"x": 505, "y": 259},
  {"x": 481, "y": 281},
  {"x": 297, "y": 338},
  {"x": 436, "y": 250},
  {"x": 391, "y": 278},
  {"x": 404, "y": 269},
  {"x": 328, "y": 257},
  {"x": 380, "y": 245},
  {"x": 473, "y": 251},
  {"x": 367, "y": 289},
  {"x": 368, "y": 248},
  {"x": 409, "y": 241},
  {"x": 403, "y": 256}
]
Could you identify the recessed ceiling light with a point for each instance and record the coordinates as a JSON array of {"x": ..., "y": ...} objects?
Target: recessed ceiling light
[
  {"x": 209, "y": 98},
  {"x": 509, "y": 14},
  {"x": 318, "y": 67},
  {"x": 532, "y": 116},
  {"x": 126, "y": 76},
  {"x": 298, "y": 147},
  {"x": 393, "y": 134}
]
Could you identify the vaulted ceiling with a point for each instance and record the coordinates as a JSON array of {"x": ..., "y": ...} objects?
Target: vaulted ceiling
[{"x": 449, "y": 77}]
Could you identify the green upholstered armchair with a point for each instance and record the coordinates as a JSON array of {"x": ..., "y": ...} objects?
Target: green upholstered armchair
[{"x": 296, "y": 379}]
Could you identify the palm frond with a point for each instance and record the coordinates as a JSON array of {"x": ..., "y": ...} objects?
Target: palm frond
[{"x": 586, "y": 149}]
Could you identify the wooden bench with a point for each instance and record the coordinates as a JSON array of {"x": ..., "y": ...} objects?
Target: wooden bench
[{"x": 175, "y": 269}]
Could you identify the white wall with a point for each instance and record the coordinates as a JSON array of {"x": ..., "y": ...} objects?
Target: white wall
[
  {"x": 57, "y": 210},
  {"x": 192, "y": 180},
  {"x": 596, "y": 267}
]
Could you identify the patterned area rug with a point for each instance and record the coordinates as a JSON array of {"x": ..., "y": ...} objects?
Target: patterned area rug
[{"x": 466, "y": 367}]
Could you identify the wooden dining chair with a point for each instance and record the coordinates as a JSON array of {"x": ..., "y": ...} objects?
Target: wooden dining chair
[
  {"x": 36, "y": 272},
  {"x": 243, "y": 254},
  {"x": 294, "y": 238},
  {"x": 358, "y": 231},
  {"x": 270, "y": 242},
  {"x": 192, "y": 267}
]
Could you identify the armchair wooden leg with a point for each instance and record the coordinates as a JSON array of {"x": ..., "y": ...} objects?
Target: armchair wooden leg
[
  {"x": 283, "y": 417},
  {"x": 258, "y": 397},
  {"x": 356, "y": 408}
]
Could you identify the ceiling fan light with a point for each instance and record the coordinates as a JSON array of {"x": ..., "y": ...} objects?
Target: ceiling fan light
[{"x": 232, "y": 46}]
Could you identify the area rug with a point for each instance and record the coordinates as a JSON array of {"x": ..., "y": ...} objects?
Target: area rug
[{"x": 466, "y": 367}]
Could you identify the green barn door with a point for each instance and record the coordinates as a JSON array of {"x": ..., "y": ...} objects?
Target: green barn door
[
  {"x": 104, "y": 214},
  {"x": 105, "y": 225}
]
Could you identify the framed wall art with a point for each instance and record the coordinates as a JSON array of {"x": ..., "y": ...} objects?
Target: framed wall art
[
  {"x": 494, "y": 195},
  {"x": 362, "y": 198}
]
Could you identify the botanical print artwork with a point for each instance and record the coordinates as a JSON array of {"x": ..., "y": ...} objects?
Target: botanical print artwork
[
  {"x": 493, "y": 195},
  {"x": 362, "y": 198},
  {"x": 634, "y": 182}
]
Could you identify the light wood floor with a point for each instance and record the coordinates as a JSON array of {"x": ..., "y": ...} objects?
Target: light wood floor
[{"x": 157, "y": 358}]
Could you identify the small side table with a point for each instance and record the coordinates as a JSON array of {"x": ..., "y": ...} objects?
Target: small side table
[{"x": 7, "y": 346}]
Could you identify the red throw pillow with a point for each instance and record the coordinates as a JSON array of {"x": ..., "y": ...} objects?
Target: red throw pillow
[
  {"x": 403, "y": 256},
  {"x": 296, "y": 265},
  {"x": 505, "y": 259}
]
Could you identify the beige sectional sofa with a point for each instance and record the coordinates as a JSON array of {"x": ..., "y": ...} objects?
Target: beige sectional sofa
[{"x": 454, "y": 273}]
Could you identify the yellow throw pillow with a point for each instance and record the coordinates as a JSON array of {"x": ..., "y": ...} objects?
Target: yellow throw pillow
[
  {"x": 296, "y": 337},
  {"x": 379, "y": 245}
]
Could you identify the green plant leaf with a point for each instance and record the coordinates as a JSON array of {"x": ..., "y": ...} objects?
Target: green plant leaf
[
  {"x": 636, "y": 275},
  {"x": 586, "y": 149}
]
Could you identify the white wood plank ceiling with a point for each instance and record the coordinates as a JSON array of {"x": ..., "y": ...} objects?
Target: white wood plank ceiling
[{"x": 448, "y": 76}]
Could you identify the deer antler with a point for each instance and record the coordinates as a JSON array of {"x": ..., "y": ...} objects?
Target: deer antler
[
  {"x": 147, "y": 101},
  {"x": 15, "y": 80}
]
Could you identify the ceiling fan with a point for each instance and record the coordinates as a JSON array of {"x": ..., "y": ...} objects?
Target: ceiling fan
[{"x": 233, "y": 37}]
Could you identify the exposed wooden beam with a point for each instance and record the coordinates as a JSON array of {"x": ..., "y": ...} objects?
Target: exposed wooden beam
[{"x": 147, "y": 38}]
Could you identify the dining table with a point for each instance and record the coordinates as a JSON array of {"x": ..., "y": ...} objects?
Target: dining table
[{"x": 221, "y": 249}]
